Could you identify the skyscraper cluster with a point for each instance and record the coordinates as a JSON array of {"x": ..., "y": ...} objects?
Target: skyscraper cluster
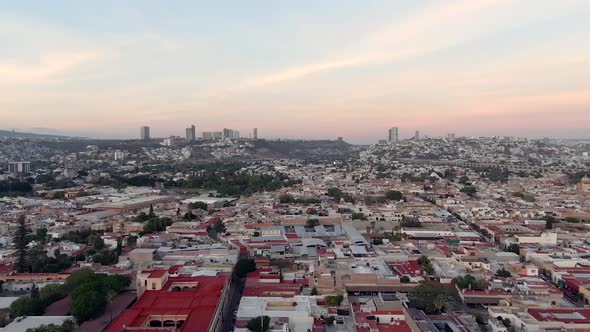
[{"x": 191, "y": 134}]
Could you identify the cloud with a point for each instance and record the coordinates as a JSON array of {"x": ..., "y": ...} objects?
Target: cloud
[
  {"x": 405, "y": 39},
  {"x": 52, "y": 67}
]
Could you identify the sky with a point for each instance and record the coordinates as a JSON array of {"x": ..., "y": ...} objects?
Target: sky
[{"x": 297, "y": 69}]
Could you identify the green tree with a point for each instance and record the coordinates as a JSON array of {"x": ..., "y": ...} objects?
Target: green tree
[
  {"x": 515, "y": 248},
  {"x": 439, "y": 303},
  {"x": 87, "y": 302},
  {"x": 463, "y": 179},
  {"x": 131, "y": 241},
  {"x": 429, "y": 269},
  {"x": 469, "y": 190},
  {"x": 67, "y": 326},
  {"x": 244, "y": 266},
  {"x": 41, "y": 235},
  {"x": 314, "y": 291},
  {"x": 20, "y": 243},
  {"x": 424, "y": 295},
  {"x": 358, "y": 216},
  {"x": 199, "y": 205},
  {"x": 572, "y": 220},
  {"x": 394, "y": 195},
  {"x": 469, "y": 281},
  {"x": 423, "y": 260},
  {"x": 96, "y": 242},
  {"x": 52, "y": 293},
  {"x": 34, "y": 292},
  {"x": 26, "y": 306},
  {"x": 503, "y": 273},
  {"x": 334, "y": 300},
  {"x": 330, "y": 320},
  {"x": 259, "y": 324},
  {"x": 151, "y": 214},
  {"x": 37, "y": 260},
  {"x": 312, "y": 222}
]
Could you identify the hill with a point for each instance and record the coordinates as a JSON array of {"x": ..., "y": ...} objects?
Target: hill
[
  {"x": 315, "y": 150},
  {"x": 16, "y": 134}
]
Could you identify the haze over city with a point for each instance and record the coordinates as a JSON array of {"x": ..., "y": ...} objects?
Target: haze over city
[{"x": 299, "y": 69}]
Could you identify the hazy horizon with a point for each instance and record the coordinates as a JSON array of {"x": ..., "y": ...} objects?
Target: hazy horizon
[{"x": 297, "y": 69}]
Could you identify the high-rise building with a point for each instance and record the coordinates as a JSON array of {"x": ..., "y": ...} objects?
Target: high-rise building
[
  {"x": 255, "y": 133},
  {"x": 417, "y": 135},
  {"x": 191, "y": 133},
  {"x": 230, "y": 134},
  {"x": 19, "y": 168},
  {"x": 393, "y": 135},
  {"x": 144, "y": 133}
]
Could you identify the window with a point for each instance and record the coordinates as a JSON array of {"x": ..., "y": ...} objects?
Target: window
[{"x": 153, "y": 285}]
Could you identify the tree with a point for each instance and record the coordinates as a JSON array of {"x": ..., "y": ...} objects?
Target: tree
[
  {"x": 469, "y": 281},
  {"x": 424, "y": 295},
  {"x": 515, "y": 248},
  {"x": 259, "y": 324},
  {"x": 334, "y": 300},
  {"x": 20, "y": 243},
  {"x": 34, "y": 292},
  {"x": 439, "y": 303},
  {"x": 312, "y": 222},
  {"x": 96, "y": 242},
  {"x": 199, "y": 205},
  {"x": 358, "y": 216},
  {"x": 429, "y": 269},
  {"x": 314, "y": 291},
  {"x": 394, "y": 195},
  {"x": 469, "y": 190},
  {"x": 41, "y": 235},
  {"x": 51, "y": 293},
  {"x": 404, "y": 279},
  {"x": 423, "y": 260},
  {"x": 131, "y": 241},
  {"x": 572, "y": 220},
  {"x": 549, "y": 220},
  {"x": 26, "y": 306},
  {"x": 37, "y": 260},
  {"x": 244, "y": 266},
  {"x": 330, "y": 320},
  {"x": 463, "y": 179},
  {"x": 503, "y": 273},
  {"x": 67, "y": 326},
  {"x": 87, "y": 302},
  {"x": 151, "y": 214}
]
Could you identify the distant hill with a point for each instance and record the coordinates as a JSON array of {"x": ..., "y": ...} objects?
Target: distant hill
[
  {"x": 16, "y": 134},
  {"x": 306, "y": 150}
]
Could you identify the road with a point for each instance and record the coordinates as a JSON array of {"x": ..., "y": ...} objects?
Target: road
[{"x": 233, "y": 301}]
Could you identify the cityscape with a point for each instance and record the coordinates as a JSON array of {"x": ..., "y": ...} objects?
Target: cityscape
[{"x": 265, "y": 166}]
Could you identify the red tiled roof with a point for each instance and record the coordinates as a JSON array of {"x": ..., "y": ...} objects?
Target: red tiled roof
[{"x": 199, "y": 305}]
